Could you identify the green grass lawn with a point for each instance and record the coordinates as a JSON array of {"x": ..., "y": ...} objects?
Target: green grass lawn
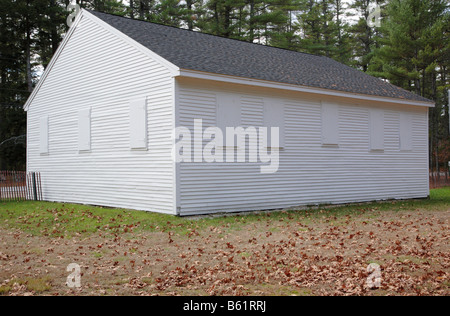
[
  {"x": 313, "y": 251},
  {"x": 58, "y": 219}
]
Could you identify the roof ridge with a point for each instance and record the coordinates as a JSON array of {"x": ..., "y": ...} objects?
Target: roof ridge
[{"x": 208, "y": 34}]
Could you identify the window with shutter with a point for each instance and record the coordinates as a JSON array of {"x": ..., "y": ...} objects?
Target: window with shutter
[
  {"x": 376, "y": 129},
  {"x": 138, "y": 124},
  {"x": 330, "y": 124},
  {"x": 84, "y": 130},
  {"x": 406, "y": 132},
  {"x": 274, "y": 117},
  {"x": 228, "y": 115},
  {"x": 43, "y": 135},
  {"x": 228, "y": 111}
]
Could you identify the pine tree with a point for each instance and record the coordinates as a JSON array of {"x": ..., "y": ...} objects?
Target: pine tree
[
  {"x": 281, "y": 27},
  {"x": 191, "y": 12},
  {"x": 319, "y": 30},
  {"x": 415, "y": 55},
  {"x": 343, "y": 51},
  {"x": 17, "y": 25},
  {"x": 168, "y": 12},
  {"x": 50, "y": 28},
  {"x": 364, "y": 37},
  {"x": 221, "y": 18},
  {"x": 413, "y": 43},
  {"x": 108, "y": 6}
]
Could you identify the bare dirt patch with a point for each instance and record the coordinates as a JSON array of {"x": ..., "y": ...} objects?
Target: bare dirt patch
[{"x": 318, "y": 255}]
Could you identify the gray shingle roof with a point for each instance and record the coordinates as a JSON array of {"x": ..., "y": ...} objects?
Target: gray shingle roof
[{"x": 203, "y": 52}]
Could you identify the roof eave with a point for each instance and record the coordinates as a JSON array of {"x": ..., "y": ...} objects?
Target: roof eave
[{"x": 188, "y": 73}]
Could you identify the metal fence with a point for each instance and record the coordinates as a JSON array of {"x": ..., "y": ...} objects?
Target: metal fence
[
  {"x": 20, "y": 186},
  {"x": 439, "y": 179}
]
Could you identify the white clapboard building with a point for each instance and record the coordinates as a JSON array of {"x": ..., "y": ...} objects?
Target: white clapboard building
[{"x": 107, "y": 120}]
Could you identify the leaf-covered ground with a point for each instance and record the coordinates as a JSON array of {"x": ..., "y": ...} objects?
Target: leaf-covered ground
[{"x": 306, "y": 252}]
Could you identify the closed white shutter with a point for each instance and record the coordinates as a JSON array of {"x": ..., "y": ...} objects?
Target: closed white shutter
[
  {"x": 330, "y": 123},
  {"x": 228, "y": 115},
  {"x": 43, "y": 135},
  {"x": 138, "y": 124},
  {"x": 84, "y": 130},
  {"x": 274, "y": 117},
  {"x": 406, "y": 130},
  {"x": 228, "y": 111},
  {"x": 376, "y": 130}
]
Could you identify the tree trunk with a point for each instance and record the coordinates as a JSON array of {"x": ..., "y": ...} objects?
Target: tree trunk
[
  {"x": 227, "y": 22},
  {"x": 216, "y": 19},
  {"x": 132, "y": 9},
  {"x": 143, "y": 9},
  {"x": 251, "y": 25},
  {"x": 28, "y": 51},
  {"x": 54, "y": 28},
  {"x": 190, "y": 20}
]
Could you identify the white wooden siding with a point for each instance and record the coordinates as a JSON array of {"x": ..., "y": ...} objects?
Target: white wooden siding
[
  {"x": 309, "y": 172},
  {"x": 103, "y": 72}
]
